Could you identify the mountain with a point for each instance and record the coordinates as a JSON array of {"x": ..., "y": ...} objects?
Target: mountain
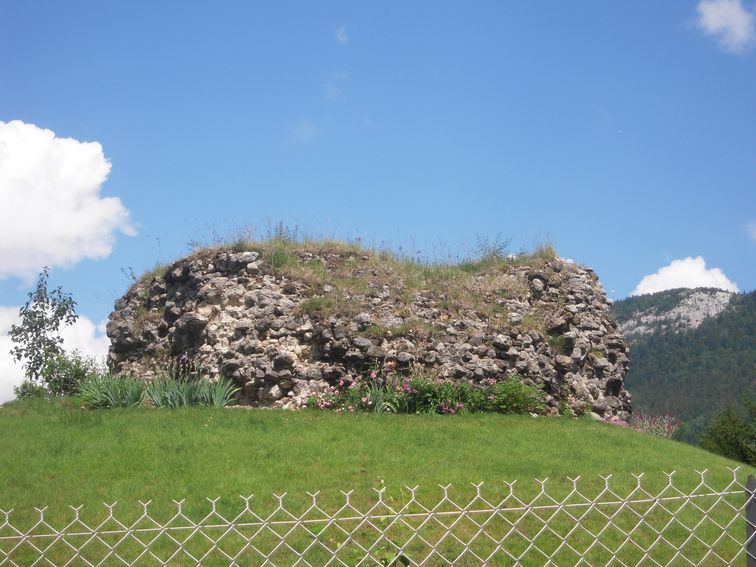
[{"x": 692, "y": 352}]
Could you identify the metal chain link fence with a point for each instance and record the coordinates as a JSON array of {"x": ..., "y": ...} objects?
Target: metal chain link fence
[{"x": 702, "y": 525}]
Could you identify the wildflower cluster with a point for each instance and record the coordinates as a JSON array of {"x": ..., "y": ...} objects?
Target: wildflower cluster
[
  {"x": 614, "y": 420},
  {"x": 386, "y": 391},
  {"x": 448, "y": 406},
  {"x": 663, "y": 425}
]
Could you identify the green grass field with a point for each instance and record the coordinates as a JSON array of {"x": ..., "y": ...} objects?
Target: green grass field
[{"x": 57, "y": 454}]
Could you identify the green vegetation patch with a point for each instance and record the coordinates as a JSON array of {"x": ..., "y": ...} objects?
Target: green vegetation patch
[
  {"x": 131, "y": 454},
  {"x": 316, "y": 306},
  {"x": 56, "y": 454},
  {"x": 158, "y": 271},
  {"x": 419, "y": 393}
]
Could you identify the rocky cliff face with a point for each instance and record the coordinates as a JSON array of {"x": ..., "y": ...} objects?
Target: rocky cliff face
[
  {"x": 286, "y": 323},
  {"x": 676, "y": 310}
]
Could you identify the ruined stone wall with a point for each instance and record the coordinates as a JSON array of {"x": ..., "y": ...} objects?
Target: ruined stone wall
[{"x": 231, "y": 314}]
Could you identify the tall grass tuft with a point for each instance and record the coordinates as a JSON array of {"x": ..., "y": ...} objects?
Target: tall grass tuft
[
  {"x": 109, "y": 391},
  {"x": 174, "y": 392},
  {"x": 170, "y": 392},
  {"x": 219, "y": 394}
]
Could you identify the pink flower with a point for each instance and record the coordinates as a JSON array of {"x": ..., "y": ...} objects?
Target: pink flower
[{"x": 617, "y": 421}]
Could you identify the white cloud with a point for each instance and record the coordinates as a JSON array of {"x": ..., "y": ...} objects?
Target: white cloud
[
  {"x": 751, "y": 230},
  {"x": 302, "y": 131},
  {"x": 11, "y": 373},
  {"x": 333, "y": 85},
  {"x": 83, "y": 336},
  {"x": 729, "y": 22},
  {"x": 341, "y": 35},
  {"x": 690, "y": 273},
  {"x": 86, "y": 337},
  {"x": 51, "y": 211}
]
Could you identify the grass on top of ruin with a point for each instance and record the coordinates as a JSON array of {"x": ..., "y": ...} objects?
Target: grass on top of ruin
[
  {"x": 56, "y": 454},
  {"x": 282, "y": 249},
  {"x": 470, "y": 282}
]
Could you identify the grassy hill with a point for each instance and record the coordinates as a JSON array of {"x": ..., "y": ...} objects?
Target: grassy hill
[{"x": 57, "y": 454}]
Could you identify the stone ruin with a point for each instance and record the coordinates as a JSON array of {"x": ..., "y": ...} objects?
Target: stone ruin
[{"x": 239, "y": 315}]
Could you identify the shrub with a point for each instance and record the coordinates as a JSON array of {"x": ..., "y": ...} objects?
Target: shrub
[
  {"x": 514, "y": 396},
  {"x": 106, "y": 391},
  {"x": 732, "y": 434},
  {"x": 665, "y": 425},
  {"x": 28, "y": 390},
  {"x": 63, "y": 373}
]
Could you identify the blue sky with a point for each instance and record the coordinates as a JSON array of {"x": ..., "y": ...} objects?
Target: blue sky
[{"x": 623, "y": 132}]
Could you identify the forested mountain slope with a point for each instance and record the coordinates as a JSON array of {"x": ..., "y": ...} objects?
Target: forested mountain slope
[{"x": 692, "y": 352}]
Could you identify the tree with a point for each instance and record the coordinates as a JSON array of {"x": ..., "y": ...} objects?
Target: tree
[
  {"x": 732, "y": 434},
  {"x": 36, "y": 339}
]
